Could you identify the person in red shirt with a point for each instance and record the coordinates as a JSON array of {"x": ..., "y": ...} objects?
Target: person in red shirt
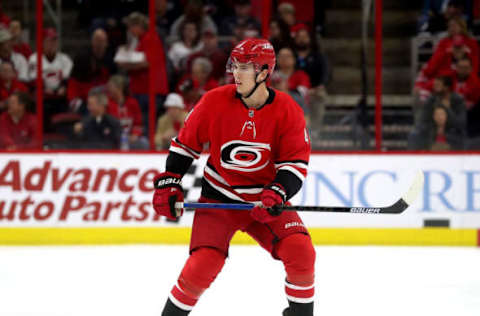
[
  {"x": 8, "y": 83},
  {"x": 17, "y": 125},
  {"x": 19, "y": 45},
  {"x": 298, "y": 80},
  {"x": 258, "y": 153},
  {"x": 456, "y": 45},
  {"x": 467, "y": 83},
  {"x": 442, "y": 63},
  {"x": 151, "y": 54},
  {"x": 200, "y": 77},
  {"x": 4, "y": 18},
  {"x": 126, "y": 109}
]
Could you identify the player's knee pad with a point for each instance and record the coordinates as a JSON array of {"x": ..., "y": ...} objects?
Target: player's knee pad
[
  {"x": 298, "y": 256},
  {"x": 200, "y": 270}
]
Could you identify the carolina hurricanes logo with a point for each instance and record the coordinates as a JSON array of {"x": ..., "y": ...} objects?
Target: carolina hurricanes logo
[{"x": 244, "y": 156}]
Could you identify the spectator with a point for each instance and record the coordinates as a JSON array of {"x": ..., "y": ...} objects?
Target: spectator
[
  {"x": 467, "y": 83},
  {"x": 148, "y": 53},
  {"x": 194, "y": 11},
  {"x": 98, "y": 130},
  {"x": 90, "y": 69},
  {"x": 280, "y": 82},
  {"x": 280, "y": 34},
  {"x": 19, "y": 46},
  {"x": 311, "y": 60},
  {"x": 189, "y": 93},
  {"x": 298, "y": 80},
  {"x": 457, "y": 28},
  {"x": 442, "y": 63},
  {"x": 4, "y": 18},
  {"x": 56, "y": 67},
  {"x": 17, "y": 125},
  {"x": 286, "y": 12},
  {"x": 433, "y": 127},
  {"x": 436, "y": 13},
  {"x": 200, "y": 76},
  {"x": 166, "y": 12},
  {"x": 171, "y": 122},
  {"x": 7, "y": 54},
  {"x": 242, "y": 20},
  {"x": 126, "y": 109},
  {"x": 8, "y": 83},
  {"x": 309, "y": 57},
  {"x": 188, "y": 44},
  {"x": 216, "y": 55}
]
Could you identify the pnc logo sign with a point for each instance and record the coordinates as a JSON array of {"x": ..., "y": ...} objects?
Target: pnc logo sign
[{"x": 442, "y": 191}]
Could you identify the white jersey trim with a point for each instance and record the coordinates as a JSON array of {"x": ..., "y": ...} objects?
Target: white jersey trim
[
  {"x": 227, "y": 193},
  {"x": 300, "y": 300},
  {"x": 301, "y": 165},
  {"x": 181, "y": 151},
  {"x": 179, "y": 304},
  {"x": 215, "y": 175},
  {"x": 296, "y": 287}
]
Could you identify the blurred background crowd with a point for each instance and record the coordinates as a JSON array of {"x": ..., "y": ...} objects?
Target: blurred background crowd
[{"x": 98, "y": 55}]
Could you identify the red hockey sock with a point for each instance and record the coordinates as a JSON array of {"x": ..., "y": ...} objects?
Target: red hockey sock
[
  {"x": 298, "y": 256},
  {"x": 200, "y": 270}
]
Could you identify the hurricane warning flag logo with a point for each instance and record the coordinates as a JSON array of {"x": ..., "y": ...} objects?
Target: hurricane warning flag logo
[{"x": 245, "y": 156}]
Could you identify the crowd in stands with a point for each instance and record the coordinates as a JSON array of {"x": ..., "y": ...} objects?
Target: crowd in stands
[
  {"x": 447, "y": 88},
  {"x": 98, "y": 97}
]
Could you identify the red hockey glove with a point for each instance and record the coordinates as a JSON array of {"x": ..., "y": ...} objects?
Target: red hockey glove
[
  {"x": 272, "y": 195},
  {"x": 168, "y": 190}
]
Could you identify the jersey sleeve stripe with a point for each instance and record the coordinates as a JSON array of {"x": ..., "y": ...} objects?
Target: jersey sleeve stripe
[
  {"x": 193, "y": 152},
  {"x": 181, "y": 151},
  {"x": 295, "y": 171},
  {"x": 301, "y": 165}
]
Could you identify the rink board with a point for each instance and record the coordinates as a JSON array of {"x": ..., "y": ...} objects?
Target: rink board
[{"x": 91, "y": 198}]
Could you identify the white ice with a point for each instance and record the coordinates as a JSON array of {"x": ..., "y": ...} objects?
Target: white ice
[{"x": 135, "y": 280}]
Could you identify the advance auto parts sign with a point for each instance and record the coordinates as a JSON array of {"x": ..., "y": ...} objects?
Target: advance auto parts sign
[
  {"x": 79, "y": 190},
  {"x": 108, "y": 190}
]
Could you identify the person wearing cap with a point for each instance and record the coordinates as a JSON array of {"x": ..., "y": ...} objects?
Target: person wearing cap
[
  {"x": 148, "y": 52},
  {"x": 7, "y": 54},
  {"x": 56, "y": 69},
  {"x": 126, "y": 109},
  {"x": 170, "y": 123}
]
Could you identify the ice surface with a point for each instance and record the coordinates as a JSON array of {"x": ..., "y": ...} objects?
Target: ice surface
[{"x": 135, "y": 280}]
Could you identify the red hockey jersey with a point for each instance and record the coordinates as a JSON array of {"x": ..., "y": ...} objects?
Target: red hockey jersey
[{"x": 247, "y": 146}]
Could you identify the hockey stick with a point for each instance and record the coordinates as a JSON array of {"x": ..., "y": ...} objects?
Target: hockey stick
[{"x": 396, "y": 208}]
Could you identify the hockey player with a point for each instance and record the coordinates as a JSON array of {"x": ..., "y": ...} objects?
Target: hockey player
[{"x": 259, "y": 151}]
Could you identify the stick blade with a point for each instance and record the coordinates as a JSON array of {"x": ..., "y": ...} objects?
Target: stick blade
[{"x": 414, "y": 189}]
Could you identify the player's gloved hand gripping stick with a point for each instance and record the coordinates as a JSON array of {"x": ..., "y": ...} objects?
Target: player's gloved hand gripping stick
[
  {"x": 396, "y": 208},
  {"x": 168, "y": 192}
]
